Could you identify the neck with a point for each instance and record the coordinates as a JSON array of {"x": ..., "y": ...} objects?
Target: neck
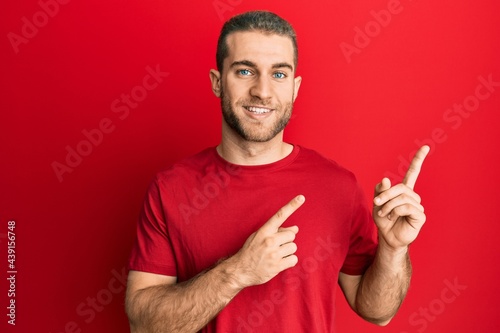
[{"x": 236, "y": 150}]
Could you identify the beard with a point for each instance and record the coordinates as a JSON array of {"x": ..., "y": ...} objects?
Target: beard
[{"x": 256, "y": 131}]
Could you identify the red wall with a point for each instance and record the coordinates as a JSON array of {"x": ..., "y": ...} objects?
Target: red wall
[{"x": 379, "y": 78}]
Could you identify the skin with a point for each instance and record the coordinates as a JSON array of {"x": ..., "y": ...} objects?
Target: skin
[{"x": 259, "y": 73}]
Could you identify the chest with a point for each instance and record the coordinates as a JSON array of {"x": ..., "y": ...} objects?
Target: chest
[{"x": 212, "y": 220}]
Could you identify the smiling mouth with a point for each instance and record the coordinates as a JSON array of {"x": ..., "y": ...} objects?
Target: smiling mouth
[{"x": 258, "y": 110}]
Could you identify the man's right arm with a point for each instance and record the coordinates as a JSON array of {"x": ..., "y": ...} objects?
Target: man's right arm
[{"x": 156, "y": 303}]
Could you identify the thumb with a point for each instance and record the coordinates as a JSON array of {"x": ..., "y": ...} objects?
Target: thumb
[{"x": 384, "y": 185}]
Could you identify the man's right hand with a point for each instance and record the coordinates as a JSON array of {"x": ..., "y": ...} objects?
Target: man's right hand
[{"x": 270, "y": 250}]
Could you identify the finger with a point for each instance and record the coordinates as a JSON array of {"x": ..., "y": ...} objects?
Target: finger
[
  {"x": 384, "y": 185},
  {"x": 288, "y": 262},
  {"x": 390, "y": 206},
  {"x": 273, "y": 224},
  {"x": 293, "y": 229},
  {"x": 415, "y": 217},
  {"x": 280, "y": 238},
  {"x": 415, "y": 166},
  {"x": 287, "y": 250},
  {"x": 394, "y": 192}
]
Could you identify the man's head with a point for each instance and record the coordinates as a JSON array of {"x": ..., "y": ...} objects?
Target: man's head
[{"x": 256, "y": 60}]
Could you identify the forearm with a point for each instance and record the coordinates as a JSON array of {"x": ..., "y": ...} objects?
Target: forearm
[
  {"x": 384, "y": 285},
  {"x": 183, "y": 307}
]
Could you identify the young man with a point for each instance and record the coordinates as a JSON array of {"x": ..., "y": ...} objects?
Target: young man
[{"x": 253, "y": 235}]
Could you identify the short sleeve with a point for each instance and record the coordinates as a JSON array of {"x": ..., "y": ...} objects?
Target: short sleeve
[
  {"x": 152, "y": 251},
  {"x": 362, "y": 238}
]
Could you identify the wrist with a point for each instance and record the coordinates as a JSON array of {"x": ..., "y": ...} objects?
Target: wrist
[
  {"x": 390, "y": 255},
  {"x": 231, "y": 274}
]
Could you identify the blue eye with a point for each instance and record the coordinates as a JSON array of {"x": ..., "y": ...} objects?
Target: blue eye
[
  {"x": 244, "y": 72},
  {"x": 279, "y": 75}
]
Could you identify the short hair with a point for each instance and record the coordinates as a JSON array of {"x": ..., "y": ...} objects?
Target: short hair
[{"x": 261, "y": 21}]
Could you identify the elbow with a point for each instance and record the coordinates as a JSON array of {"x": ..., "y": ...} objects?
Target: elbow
[
  {"x": 133, "y": 320},
  {"x": 374, "y": 314},
  {"x": 384, "y": 322},
  {"x": 381, "y": 321},
  {"x": 376, "y": 319},
  {"x": 132, "y": 312}
]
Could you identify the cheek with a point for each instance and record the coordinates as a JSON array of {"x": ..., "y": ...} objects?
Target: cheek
[
  {"x": 233, "y": 91},
  {"x": 286, "y": 92}
]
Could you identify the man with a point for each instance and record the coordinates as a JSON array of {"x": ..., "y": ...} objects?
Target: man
[{"x": 219, "y": 249}]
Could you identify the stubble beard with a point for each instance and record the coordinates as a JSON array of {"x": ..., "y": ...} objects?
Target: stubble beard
[{"x": 255, "y": 132}]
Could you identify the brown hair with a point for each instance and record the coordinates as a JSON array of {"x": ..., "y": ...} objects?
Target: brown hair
[{"x": 262, "y": 21}]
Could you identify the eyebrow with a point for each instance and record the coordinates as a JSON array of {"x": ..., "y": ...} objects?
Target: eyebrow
[
  {"x": 253, "y": 65},
  {"x": 283, "y": 65}
]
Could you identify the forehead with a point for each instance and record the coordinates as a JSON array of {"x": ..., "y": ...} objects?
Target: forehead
[{"x": 261, "y": 48}]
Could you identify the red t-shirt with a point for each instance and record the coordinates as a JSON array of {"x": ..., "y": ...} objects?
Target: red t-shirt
[{"x": 203, "y": 209}]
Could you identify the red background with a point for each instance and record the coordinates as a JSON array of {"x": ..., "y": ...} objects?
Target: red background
[{"x": 366, "y": 110}]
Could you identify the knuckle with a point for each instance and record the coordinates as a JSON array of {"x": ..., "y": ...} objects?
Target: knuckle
[
  {"x": 402, "y": 188},
  {"x": 407, "y": 208},
  {"x": 399, "y": 210},
  {"x": 269, "y": 242},
  {"x": 408, "y": 198},
  {"x": 273, "y": 256},
  {"x": 280, "y": 213},
  {"x": 290, "y": 236}
]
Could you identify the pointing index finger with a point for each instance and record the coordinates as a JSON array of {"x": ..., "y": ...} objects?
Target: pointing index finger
[
  {"x": 415, "y": 166},
  {"x": 273, "y": 224}
]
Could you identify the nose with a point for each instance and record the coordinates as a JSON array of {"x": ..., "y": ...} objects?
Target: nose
[{"x": 261, "y": 88}]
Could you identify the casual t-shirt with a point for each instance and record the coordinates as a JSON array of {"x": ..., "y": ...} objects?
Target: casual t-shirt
[{"x": 202, "y": 209}]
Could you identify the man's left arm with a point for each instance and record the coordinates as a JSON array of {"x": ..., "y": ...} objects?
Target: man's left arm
[{"x": 378, "y": 293}]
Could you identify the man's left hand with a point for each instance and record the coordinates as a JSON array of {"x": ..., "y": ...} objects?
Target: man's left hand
[{"x": 397, "y": 210}]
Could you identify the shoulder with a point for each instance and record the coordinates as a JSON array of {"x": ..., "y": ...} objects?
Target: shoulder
[
  {"x": 189, "y": 167},
  {"x": 322, "y": 164}
]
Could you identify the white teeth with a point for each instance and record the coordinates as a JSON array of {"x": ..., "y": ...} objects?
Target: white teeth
[{"x": 258, "y": 110}]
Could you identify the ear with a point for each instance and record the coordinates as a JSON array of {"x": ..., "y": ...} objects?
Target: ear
[
  {"x": 296, "y": 86},
  {"x": 216, "y": 82}
]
